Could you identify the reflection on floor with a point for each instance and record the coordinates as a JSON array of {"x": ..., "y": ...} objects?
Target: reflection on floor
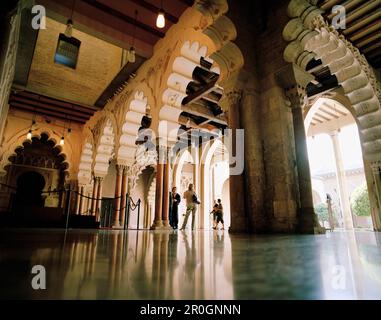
[{"x": 184, "y": 265}]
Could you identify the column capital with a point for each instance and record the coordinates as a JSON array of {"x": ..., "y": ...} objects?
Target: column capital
[
  {"x": 98, "y": 179},
  {"x": 162, "y": 152},
  {"x": 234, "y": 96},
  {"x": 375, "y": 165},
  {"x": 121, "y": 168},
  {"x": 296, "y": 94},
  {"x": 334, "y": 133},
  {"x": 231, "y": 100}
]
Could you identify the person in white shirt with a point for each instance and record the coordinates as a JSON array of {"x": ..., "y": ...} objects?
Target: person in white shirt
[{"x": 191, "y": 201}]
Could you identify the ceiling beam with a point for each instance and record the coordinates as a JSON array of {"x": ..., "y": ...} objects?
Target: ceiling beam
[
  {"x": 202, "y": 111},
  {"x": 48, "y": 107},
  {"x": 54, "y": 103},
  {"x": 363, "y": 21},
  {"x": 124, "y": 17},
  {"x": 362, "y": 10},
  {"x": 154, "y": 9},
  {"x": 58, "y": 115},
  {"x": 200, "y": 93},
  {"x": 327, "y": 110},
  {"x": 189, "y": 3},
  {"x": 374, "y": 26}
]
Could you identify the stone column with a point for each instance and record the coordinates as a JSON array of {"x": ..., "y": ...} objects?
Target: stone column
[
  {"x": 165, "y": 208},
  {"x": 77, "y": 200},
  {"x": 118, "y": 192},
  {"x": 376, "y": 171},
  {"x": 89, "y": 193},
  {"x": 195, "y": 152},
  {"x": 99, "y": 198},
  {"x": 341, "y": 181},
  {"x": 94, "y": 196},
  {"x": 81, "y": 191},
  {"x": 123, "y": 200},
  {"x": 158, "y": 223},
  {"x": 306, "y": 215},
  {"x": 237, "y": 183}
]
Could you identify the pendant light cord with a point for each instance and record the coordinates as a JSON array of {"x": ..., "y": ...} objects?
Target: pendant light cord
[
  {"x": 134, "y": 31},
  {"x": 72, "y": 10}
]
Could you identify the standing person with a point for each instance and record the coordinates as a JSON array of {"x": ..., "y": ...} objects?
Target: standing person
[
  {"x": 214, "y": 212},
  {"x": 174, "y": 201},
  {"x": 191, "y": 201},
  {"x": 220, "y": 214}
]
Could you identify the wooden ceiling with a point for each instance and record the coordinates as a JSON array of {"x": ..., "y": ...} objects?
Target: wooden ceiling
[
  {"x": 328, "y": 112},
  {"x": 115, "y": 20},
  {"x": 49, "y": 107},
  {"x": 363, "y": 25}
]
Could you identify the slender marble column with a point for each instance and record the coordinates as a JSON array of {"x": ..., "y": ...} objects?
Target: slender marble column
[
  {"x": 118, "y": 192},
  {"x": 376, "y": 172},
  {"x": 341, "y": 181},
  {"x": 81, "y": 199},
  {"x": 159, "y": 196},
  {"x": 99, "y": 197},
  {"x": 77, "y": 200},
  {"x": 165, "y": 208},
  {"x": 94, "y": 195},
  {"x": 123, "y": 200}
]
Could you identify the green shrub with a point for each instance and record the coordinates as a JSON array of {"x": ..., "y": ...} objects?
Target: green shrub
[
  {"x": 360, "y": 201},
  {"x": 322, "y": 211}
]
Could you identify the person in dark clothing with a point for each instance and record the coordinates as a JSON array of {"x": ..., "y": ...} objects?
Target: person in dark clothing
[
  {"x": 220, "y": 214},
  {"x": 174, "y": 201}
]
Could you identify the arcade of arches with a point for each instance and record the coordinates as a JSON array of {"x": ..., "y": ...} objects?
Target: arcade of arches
[{"x": 172, "y": 116}]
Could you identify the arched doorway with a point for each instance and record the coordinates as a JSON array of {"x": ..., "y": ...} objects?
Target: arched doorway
[
  {"x": 35, "y": 181},
  {"x": 215, "y": 181},
  {"x": 141, "y": 217},
  {"x": 29, "y": 189},
  {"x": 336, "y": 160}
]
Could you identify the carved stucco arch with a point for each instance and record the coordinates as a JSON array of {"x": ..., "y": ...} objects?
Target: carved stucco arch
[
  {"x": 311, "y": 37},
  {"x": 86, "y": 163},
  {"x": 218, "y": 32},
  {"x": 138, "y": 107},
  {"x": 206, "y": 161},
  {"x": 105, "y": 148},
  {"x": 19, "y": 139},
  {"x": 178, "y": 165},
  {"x": 144, "y": 158}
]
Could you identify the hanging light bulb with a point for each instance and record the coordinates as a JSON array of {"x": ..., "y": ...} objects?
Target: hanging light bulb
[
  {"x": 29, "y": 135},
  {"x": 160, "y": 20},
  {"x": 69, "y": 28},
  {"x": 62, "y": 142},
  {"x": 131, "y": 55}
]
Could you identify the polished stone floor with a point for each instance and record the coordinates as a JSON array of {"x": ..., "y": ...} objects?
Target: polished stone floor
[{"x": 86, "y": 264}]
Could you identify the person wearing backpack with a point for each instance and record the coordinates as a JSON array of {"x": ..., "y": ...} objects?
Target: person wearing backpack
[{"x": 191, "y": 202}]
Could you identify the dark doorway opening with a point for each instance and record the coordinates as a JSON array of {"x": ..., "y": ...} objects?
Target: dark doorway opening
[{"x": 29, "y": 189}]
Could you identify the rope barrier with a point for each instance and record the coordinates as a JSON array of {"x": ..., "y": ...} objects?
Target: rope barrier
[
  {"x": 8, "y": 186},
  {"x": 128, "y": 209},
  {"x": 91, "y": 198},
  {"x": 135, "y": 205}
]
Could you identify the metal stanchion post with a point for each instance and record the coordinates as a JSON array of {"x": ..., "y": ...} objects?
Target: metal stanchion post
[
  {"x": 138, "y": 213},
  {"x": 68, "y": 207},
  {"x": 128, "y": 211}
]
